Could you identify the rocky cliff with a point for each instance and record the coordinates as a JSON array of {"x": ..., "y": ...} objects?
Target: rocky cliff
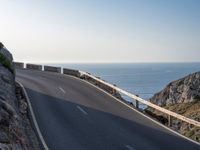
[
  {"x": 183, "y": 97},
  {"x": 14, "y": 122},
  {"x": 183, "y": 90}
]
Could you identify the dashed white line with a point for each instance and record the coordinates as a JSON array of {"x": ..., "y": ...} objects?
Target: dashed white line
[
  {"x": 62, "y": 90},
  {"x": 81, "y": 109},
  {"x": 130, "y": 147}
]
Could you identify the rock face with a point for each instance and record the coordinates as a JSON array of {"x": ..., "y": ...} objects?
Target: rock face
[
  {"x": 14, "y": 123},
  {"x": 9, "y": 118},
  {"x": 183, "y": 90}
]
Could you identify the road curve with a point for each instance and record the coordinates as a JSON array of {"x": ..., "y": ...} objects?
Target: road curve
[{"x": 73, "y": 115}]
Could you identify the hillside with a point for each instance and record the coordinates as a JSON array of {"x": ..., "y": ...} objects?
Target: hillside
[{"x": 183, "y": 97}]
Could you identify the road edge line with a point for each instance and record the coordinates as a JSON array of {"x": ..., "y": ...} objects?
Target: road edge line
[
  {"x": 33, "y": 118},
  {"x": 160, "y": 124}
]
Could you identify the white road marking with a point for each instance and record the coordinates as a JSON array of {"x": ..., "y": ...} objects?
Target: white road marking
[
  {"x": 62, "y": 90},
  {"x": 33, "y": 118},
  {"x": 130, "y": 147},
  {"x": 81, "y": 109}
]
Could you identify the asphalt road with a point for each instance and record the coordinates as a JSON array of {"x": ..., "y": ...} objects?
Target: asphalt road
[{"x": 73, "y": 115}]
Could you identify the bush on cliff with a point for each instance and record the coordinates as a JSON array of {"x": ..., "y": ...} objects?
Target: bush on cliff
[
  {"x": 1, "y": 45},
  {"x": 6, "y": 63}
]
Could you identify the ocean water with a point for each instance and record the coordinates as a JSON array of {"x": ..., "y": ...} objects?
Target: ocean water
[{"x": 143, "y": 79}]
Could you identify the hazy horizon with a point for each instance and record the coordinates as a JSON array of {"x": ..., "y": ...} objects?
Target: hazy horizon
[
  {"x": 51, "y": 62},
  {"x": 107, "y": 31}
]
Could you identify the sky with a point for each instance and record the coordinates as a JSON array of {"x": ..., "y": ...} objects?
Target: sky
[{"x": 75, "y": 31}]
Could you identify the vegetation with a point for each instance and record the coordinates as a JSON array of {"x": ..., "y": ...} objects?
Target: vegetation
[
  {"x": 186, "y": 109},
  {"x": 190, "y": 110},
  {"x": 6, "y": 63},
  {"x": 1, "y": 45}
]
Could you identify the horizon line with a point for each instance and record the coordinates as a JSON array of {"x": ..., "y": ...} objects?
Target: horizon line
[{"x": 114, "y": 62}]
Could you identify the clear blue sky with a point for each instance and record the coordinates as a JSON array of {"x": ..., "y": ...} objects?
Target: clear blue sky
[{"x": 101, "y": 30}]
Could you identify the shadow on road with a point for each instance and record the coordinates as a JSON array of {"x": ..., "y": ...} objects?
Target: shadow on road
[{"x": 68, "y": 125}]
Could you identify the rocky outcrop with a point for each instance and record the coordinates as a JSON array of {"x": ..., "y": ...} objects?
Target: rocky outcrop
[
  {"x": 183, "y": 90},
  {"x": 182, "y": 97},
  {"x": 13, "y": 114}
]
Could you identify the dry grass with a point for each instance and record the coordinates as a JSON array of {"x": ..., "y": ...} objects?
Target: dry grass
[{"x": 190, "y": 110}]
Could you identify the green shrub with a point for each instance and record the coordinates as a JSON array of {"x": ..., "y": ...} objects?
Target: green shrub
[
  {"x": 6, "y": 63},
  {"x": 1, "y": 45}
]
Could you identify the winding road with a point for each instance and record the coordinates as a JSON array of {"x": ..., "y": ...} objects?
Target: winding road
[{"x": 74, "y": 115}]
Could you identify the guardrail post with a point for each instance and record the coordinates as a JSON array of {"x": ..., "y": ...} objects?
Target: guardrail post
[
  {"x": 98, "y": 83},
  {"x": 113, "y": 91},
  {"x": 136, "y": 104},
  {"x": 169, "y": 121}
]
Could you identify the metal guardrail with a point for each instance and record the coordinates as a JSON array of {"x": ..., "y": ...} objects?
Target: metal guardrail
[{"x": 138, "y": 99}]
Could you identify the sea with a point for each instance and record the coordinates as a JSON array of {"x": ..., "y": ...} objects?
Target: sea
[{"x": 143, "y": 79}]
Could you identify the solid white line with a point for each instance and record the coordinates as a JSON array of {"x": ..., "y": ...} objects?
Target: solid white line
[
  {"x": 81, "y": 109},
  {"x": 33, "y": 118},
  {"x": 62, "y": 90},
  {"x": 130, "y": 147}
]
